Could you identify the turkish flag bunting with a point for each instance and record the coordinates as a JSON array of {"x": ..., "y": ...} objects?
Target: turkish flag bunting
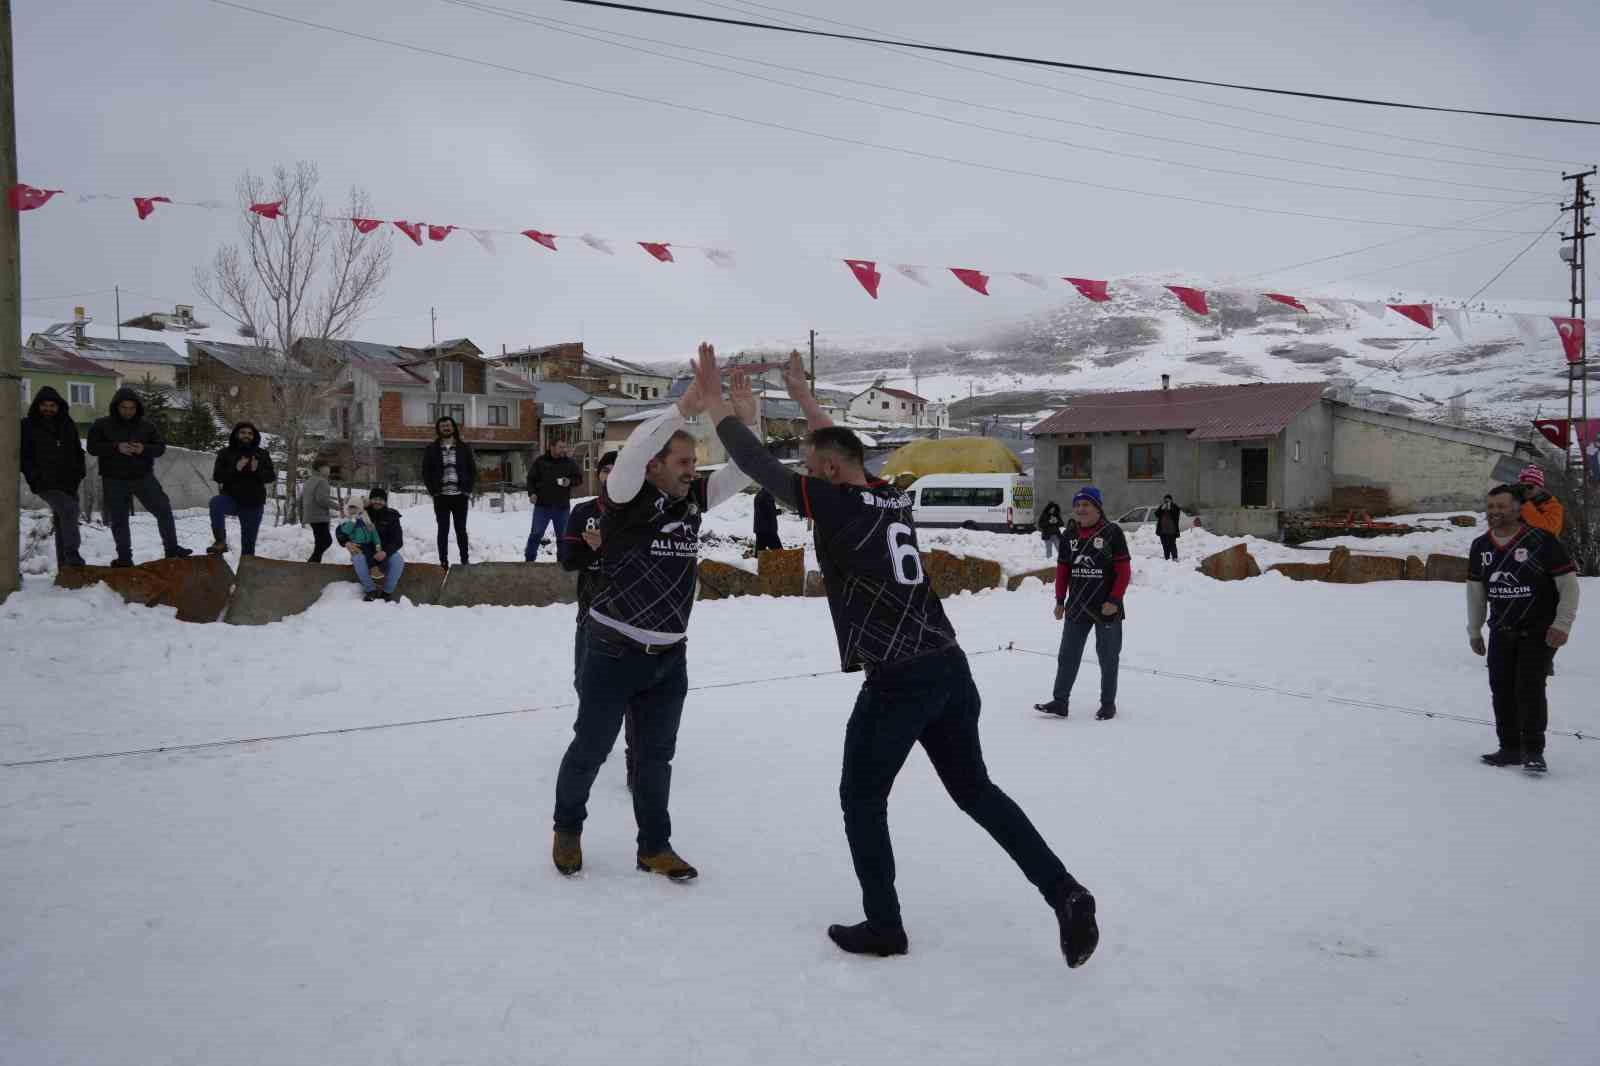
[
  {"x": 1555, "y": 430},
  {"x": 439, "y": 233},
  {"x": 1571, "y": 330},
  {"x": 366, "y": 225},
  {"x": 27, "y": 198},
  {"x": 546, "y": 239},
  {"x": 1288, "y": 301},
  {"x": 1032, "y": 279},
  {"x": 866, "y": 272},
  {"x": 1193, "y": 299},
  {"x": 272, "y": 210},
  {"x": 1091, "y": 290},
  {"x": 660, "y": 251},
  {"x": 1421, "y": 314},
  {"x": 146, "y": 205},
  {"x": 412, "y": 230},
  {"x": 976, "y": 280}
]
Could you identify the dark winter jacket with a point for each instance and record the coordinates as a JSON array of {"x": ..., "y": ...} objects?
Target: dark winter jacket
[
  {"x": 247, "y": 487},
  {"x": 543, "y": 478},
  {"x": 766, "y": 522},
  {"x": 1167, "y": 519},
  {"x": 1049, "y": 523},
  {"x": 386, "y": 520},
  {"x": 108, "y": 432},
  {"x": 433, "y": 467},
  {"x": 52, "y": 457}
]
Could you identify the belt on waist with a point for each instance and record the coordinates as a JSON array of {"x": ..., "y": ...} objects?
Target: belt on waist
[{"x": 605, "y": 632}]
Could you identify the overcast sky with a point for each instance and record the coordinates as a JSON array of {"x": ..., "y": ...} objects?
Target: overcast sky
[{"x": 179, "y": 98}]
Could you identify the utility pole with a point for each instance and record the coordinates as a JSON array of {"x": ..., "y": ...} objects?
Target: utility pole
[
  {"x": 118, "y": 290},
  {"x": 433, "y": 325},
  {"x": 1578, "y": 302},
  {"x": 10, "y": 325}
]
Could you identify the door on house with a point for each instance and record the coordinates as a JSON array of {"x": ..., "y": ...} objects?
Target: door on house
[{"x": 1253, "y": 477}]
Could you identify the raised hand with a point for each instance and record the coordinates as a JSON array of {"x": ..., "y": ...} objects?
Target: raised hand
[
  {"x": 743, "y": 398},
  {"x": 795, "y": 379},
  {"x": 708, "y": 382}
]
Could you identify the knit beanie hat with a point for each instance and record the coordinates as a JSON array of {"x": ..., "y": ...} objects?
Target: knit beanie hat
[
  {"x": 1092, "y": 494},
  {"x": 1531, "y": 475}
]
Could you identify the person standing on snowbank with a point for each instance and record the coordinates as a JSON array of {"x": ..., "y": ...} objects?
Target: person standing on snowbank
[
  {"x": 383, "y": 527},
  {"x": 316, "y": 505},
  {"x": 53, "y": 467},
  {"x": 1091, "y": 577},
  {"x": 128, "y": 445},
  {"x": 1049, "y": 526},
  {"x": 890, "y": 624},
  {"x": 1169, "y": 518},
  {"x": 765, "y": 526},
  {"x": 1525, "y": 582},
  {"x": 653, "y": 503},
  {"x": 550, "y": 482},
  {"x": 450, "y": 470},
  {"x": 243, "y": 471}
]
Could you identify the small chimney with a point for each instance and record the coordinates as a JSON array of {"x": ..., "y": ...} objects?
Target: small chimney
[
  {"x": 79, "y": 320},
  {"x": 1166, "y": 382}
]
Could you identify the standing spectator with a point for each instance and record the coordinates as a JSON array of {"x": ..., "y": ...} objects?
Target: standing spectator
[
  {"x": 450, "y": 470},
  {"x": 1091, "y": 576},
  {"x": 1539, "y": 509},
  {"x": 374, "y": 540},
  {"x": 1049, "y": 525},
  {"x": 1168, "y": 517},
  {"x": 243, "y": 471},
  {"x": 580, "y": 550},
  {"x": 550, "y": 482},
  {"x": 316, "y": 503},
  {"x": 1524, "y": 580},
  {"x": 766, "y": 523},
  {"x": 127, "y": 445},
  {"x": 53, "y": 466}
]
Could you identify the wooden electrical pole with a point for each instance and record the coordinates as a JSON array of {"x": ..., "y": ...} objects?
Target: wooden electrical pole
[
  {"x": 1578, "y": 301},
  {"x": 10, "y": 325}
]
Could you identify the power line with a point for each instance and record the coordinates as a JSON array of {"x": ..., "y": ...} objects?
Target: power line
[
  {"x": 66, "y": 296},
  {"x": 1064, "y": 65},
  {"x": 573, "y": 29},
  {"x": 767, "y": 124},
  {"x": 1299, "y": 120}
]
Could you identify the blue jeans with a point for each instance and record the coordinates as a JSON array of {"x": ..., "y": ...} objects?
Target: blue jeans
[
  {"x": 148, "y": 491},
  {"x": 392, "y": 565},
  {"x": 543, "y": 519},
  {"x": 618, "y": 678},
  {"x": 1107, "y": 649},
  {"x": 249, "y": 522},
  {"x": 929, "y": 700}
]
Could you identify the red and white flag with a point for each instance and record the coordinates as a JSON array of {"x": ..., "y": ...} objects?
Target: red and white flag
[
  {"x": 27, "y": 198},
  {"x": 1090, "y": 289},
  {"x": 912, "y": 273},
  {"x": 1421, "y": 314},
  {"x": 1287, "y": 301},
  {"x": 659, "y": 251},
  {"x": 1456, "y": 319},
  {"x": 720, "y": 257},
  {"x": 146, "y": 205},
  {"x": 1375, "y": 308},
  {"x": 866, "y": 272},
  {"x": 1528, "y": 327},
  {"x": 271, "y": 210},
  {"x": 1032, "y": 279},
  {"x": 1193, "y": 299},
  {"x": 539, "y": 237},
  {"x": 484, "y": 238},
  {"x": 976, "y": 280},
  {"x": 439, "y": 233},
  {"x": 412, "y": 230},
  {"x": 1572, "y": 334},
  {"x": 366, "y": 225},
  {"x": 1556, "y": 430},
  {"x": 597, "y": 243}
]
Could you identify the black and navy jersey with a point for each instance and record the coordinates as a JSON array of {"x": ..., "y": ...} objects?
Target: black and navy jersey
[
  {"x": 883, "y": 605},
  {"x": 1519, "y": 577},
  {"x": 649, "y": 553},
  {"x": 574, "y": 553},
  {"x": 1090, "y": 559}
]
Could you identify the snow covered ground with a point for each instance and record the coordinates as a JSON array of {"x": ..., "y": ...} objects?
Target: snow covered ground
[{"x": 1281, "y": 878}]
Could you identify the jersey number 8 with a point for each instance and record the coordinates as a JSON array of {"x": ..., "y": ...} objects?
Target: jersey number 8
[{"x": 907, "y": 563}]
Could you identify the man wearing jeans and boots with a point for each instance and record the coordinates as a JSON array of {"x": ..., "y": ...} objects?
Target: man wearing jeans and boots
[
  {"x": 1092, "y": 574},
  {"x": 52, "y": 464},
  {"x": 890, "y": 624},
  {"x": 127, "y": 445},
  {"x": 1525, "y": 582},
  {"x": 652, "y": 504}
]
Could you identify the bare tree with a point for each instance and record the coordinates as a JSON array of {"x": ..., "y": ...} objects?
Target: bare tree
[{"x": 300, "y": 276}]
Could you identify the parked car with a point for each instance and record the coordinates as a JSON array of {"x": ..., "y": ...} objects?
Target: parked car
[
  {"x": 999, "y": 502},
  {"x": 1146, "y": 516}
]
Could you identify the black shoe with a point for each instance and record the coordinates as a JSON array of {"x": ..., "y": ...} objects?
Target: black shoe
[
  {"x": 179, "y": 553},
  {"x": 1534, "y": 764},
  {"x": 445, "y": 563},
  {"x": 1079, "y": 932},
  {"x": 118, "y": 564},
  {"x": 372, "y": 596},
  {"x": 219, "y": 548},
  {"x": 865, "y": 938},
  {"x": 76, "y": 560},
  {"x": 1503, "y": 757},
  {"x": 1107, "y": 712},
  {"x": 1053, "y": 707},
  {"x": 389, "y": 597}
]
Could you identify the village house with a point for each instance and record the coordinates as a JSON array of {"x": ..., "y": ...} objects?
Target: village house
[
  {"x": 133, "y": 361},
  {"x": 595, "y": 374},
  {"x": 236, "y": 379},
  {"x": 882, "y": 403},
  {"x": 86, "y": 386},
  {"x": 1241, "y": 455}
]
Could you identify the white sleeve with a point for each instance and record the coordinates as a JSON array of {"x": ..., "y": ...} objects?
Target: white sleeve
[
  {"x": 724, "y": 484},
  {"x": 1567, "y": 609},
  {"x": 642, "y": 445}
]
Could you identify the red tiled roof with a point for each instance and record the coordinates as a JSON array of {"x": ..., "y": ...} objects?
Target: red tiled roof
[
  {"x": 1208, "y": 412},
  {"x": 901, "y": 393},
  {"x": 385, "y": 373},
  {"x": 62, "y": 361}
]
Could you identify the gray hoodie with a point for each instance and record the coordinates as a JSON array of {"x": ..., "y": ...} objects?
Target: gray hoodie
[{"x": 316, "y": 500}]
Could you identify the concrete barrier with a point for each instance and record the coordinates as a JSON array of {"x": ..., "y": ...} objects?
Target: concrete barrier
[
  {"x": 270, "y": 590},
  {"x": 508, "y": 585},
  {"x": 197, "y": 586}
]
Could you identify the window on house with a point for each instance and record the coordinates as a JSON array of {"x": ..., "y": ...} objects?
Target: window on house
[
  {"x": 499, "y": 415},
  {"x": 80, "y": 393},
  {"x": 361, "y": 412},
  {"x": 454, "y": 376},
  {"x": 886, "y": 405},
  {"x": 1073, "y": 462},
  {"x": 456, "y": 411},
  {"x": 1146, "y": 462},
  {"x": 1297, "y": 451}
]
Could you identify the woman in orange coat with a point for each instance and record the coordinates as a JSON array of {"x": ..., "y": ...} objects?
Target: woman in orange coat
[{"x": 1539, "y": 508}]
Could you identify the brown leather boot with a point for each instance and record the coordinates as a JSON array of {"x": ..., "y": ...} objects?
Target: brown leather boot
[
  {"x": 567, "y": 853},
  {"x": 668, "y": 864}
]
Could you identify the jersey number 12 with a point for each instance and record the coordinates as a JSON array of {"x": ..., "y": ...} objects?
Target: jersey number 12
[{"x": 907, "y": 563}]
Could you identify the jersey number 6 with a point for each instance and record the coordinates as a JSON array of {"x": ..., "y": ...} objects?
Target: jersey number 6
[{"x": 907, "y": 563}]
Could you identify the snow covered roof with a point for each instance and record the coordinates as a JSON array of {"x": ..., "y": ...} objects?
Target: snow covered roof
[
  {"x": 1208, "y": 412},
  {"x": 156, "y": 353},
  {"x": 243, "y": 358},
  {"x": 50, "y": 360}
]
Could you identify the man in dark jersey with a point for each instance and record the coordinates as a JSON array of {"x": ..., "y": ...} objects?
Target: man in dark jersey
[
  {"x": 652, "y": 503},
  {"x": 1524, "y": 580},
  {"x": 579, "y": 549},
  {"x": 1092, "y": 573},
  {"x": 891, "y": 625}
]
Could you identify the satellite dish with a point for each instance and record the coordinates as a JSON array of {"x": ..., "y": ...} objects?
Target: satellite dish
[{"x": 233, "y": 390}]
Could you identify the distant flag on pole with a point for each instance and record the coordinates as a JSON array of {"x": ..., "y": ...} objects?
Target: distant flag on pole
[{"x": 1572, "y": 334}]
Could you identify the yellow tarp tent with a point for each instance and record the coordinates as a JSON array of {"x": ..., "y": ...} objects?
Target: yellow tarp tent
[{"x": 956, "y": 455}]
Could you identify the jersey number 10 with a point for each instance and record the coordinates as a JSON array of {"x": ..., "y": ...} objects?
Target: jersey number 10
[{"x": 907, "y": 563}]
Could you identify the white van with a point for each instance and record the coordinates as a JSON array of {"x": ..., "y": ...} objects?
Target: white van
[{"x": 1001, "y": 502}]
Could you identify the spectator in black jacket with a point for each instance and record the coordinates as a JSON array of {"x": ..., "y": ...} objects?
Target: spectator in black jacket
[
  {"x": 243, "y": 471},
  {"x": 450, "y": 470},
  {"x": 550, "y": 482},
  {"x": 1168, "y": 525},
  {"x": 1049, "y": 526},
  {"x": 766, "y": 523},
  {"x": 53, "y": 466},
  {"x": 385, "y": 523},
  {"x": 127, "y": 445}
]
